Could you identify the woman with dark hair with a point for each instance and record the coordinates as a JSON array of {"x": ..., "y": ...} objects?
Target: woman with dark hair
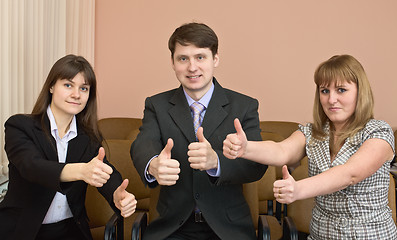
[
  {"x": 53, "y": 154},
  {"x": 349, "y": 156}
]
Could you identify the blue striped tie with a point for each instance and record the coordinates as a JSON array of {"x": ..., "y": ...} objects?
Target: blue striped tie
[{"x": 197, "y": 109}]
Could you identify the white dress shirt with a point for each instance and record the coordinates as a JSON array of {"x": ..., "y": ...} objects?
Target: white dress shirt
[{"x": 59, "y": 208}]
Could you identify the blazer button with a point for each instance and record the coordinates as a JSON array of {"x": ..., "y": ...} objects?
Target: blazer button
[{"x": 197, "y": 196}]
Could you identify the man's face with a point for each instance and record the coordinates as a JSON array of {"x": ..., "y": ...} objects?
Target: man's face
[{"x": 194, "y": 68}]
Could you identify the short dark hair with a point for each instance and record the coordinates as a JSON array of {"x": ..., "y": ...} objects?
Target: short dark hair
[{"x": 198, "y": 34}]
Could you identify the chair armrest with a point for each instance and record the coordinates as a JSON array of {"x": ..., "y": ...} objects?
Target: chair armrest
[
  {"x": 263, "y": 228},
  {"x": 114, "y": 228},
  {"x": 139, "y": 226},
  {"x": 290, "y": 231}
]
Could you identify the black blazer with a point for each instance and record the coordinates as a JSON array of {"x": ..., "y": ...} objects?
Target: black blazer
[
  {"x": 34, "y": 177},
  {"x": 221, "y": 200}
]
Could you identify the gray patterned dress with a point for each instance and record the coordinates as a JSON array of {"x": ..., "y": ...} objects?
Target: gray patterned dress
[{"x": 359, "y": 211}]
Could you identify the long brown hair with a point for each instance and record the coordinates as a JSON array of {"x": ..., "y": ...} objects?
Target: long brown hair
[
  {"x": 67, "y": 68},
  {"x": 342, "y": 68}
]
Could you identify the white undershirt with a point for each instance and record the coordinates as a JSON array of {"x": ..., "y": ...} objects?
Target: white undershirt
[{"x": 59, "y": 208}]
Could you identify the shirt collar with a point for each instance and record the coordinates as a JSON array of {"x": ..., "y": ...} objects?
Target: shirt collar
[
  {"x": 205, "y": 100},
  {"x": 72, "y": 132}
]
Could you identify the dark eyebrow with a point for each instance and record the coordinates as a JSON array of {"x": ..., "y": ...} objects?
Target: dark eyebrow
[{"x": 71, "y": 81}]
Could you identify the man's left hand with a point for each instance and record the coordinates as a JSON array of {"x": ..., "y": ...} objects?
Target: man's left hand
[{"x": 201, "y": 155}]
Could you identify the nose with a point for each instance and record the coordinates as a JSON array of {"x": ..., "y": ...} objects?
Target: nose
[
  {"x": 76, "y": 93},
  {"x": 332, "y": 97},
  {"x": 192, "y": 66}
]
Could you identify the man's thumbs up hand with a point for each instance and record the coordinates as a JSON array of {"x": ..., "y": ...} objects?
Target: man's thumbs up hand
[
  {"x": 201, "y": 155},
  {"x": 163, "y": 167}
]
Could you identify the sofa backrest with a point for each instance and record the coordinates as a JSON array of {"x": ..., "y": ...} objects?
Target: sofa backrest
[{"x": 119, "y": 128}]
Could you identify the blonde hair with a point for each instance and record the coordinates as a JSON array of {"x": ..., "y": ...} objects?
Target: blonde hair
[{"x": 341, "y": 68}]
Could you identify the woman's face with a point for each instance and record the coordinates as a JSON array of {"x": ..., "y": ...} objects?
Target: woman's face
[
  {"x": 339, "y": 102},
  {"x": 69, "y": 97}
]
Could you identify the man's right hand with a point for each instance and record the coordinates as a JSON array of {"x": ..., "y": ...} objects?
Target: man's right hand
[{"x": 163, "y": 167}]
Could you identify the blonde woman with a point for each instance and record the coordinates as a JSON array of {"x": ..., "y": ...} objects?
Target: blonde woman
[{"x": 349, "y": 156}]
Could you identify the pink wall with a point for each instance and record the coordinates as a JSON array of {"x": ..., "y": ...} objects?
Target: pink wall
[{"x": 268, "y": 50}]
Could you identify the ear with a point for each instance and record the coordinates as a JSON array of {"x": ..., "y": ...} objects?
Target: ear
[
  {"x": 216, "y": 60},
  {"x": 51, "y": 89},
  {"x": 172, "y": 63}
]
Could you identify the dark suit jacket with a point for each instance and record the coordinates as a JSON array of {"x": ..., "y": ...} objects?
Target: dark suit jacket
[
  {"x": 34, "y": 177},
  {"x": 167, "y": 115}
]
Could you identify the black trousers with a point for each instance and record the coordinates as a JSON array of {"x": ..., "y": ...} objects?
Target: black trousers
[
  {"x": 63, "y": 230},
  {"x": 192, "y": 230}
]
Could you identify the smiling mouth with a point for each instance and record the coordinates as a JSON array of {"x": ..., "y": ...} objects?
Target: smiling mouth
[{"x": 194, "y": 77}]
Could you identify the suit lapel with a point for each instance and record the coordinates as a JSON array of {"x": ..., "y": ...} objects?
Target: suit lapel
[
  {"x": 46, "y": 141},
  {"x": 215, "y": 113},
  {"x": 77, "y": 146},
  {"x": 181, "y": 114}
]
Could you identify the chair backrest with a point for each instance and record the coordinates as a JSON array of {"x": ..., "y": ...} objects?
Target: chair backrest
[
  {"x": 119, "y": 128},
  {"x": 285, "y": 129},
  {"x": 118, "y": 154},
  {"x": 259, "y": 194},
  {"x": 301, "y": 211},
  {"x": 277, "y": 131},
  {"x": 118, "y": 134},
  {"x": 98, "y": 209}
]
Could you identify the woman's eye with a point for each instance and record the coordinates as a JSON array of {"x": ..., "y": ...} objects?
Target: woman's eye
[
  {"x": 341, "y": 90},
  {"x": 324, "y": 91},
  {"x": 84, "y": 89}
]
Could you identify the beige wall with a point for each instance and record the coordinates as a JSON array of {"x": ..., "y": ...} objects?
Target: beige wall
[{"x": 268, "y": 50}]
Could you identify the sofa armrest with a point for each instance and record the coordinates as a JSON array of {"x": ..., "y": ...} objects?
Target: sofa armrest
[
  {"x": 263, "y": 228},
  {"x": 114, "y": 228},
  {"x": 290, "y": 231},
  {"x": 139, "y": 226}
]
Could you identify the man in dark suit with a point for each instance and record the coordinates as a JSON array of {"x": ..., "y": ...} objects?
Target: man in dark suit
[{"x": 201, "y": 191}]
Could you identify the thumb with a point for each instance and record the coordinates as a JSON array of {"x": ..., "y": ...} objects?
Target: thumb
[
  {"x": 124, "y": 185},
  {"x": 200, "y": 135},
  {"x": 286, "y": 174},
  {"x": 167, "y": 149},
  {"x": 101, "y": 153},
  {"x": 238, "y": 127}
]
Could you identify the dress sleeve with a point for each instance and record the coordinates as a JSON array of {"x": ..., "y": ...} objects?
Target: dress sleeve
[
  {"x": 381, "y": 130},
  {"x": 306, "y": 130}
]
